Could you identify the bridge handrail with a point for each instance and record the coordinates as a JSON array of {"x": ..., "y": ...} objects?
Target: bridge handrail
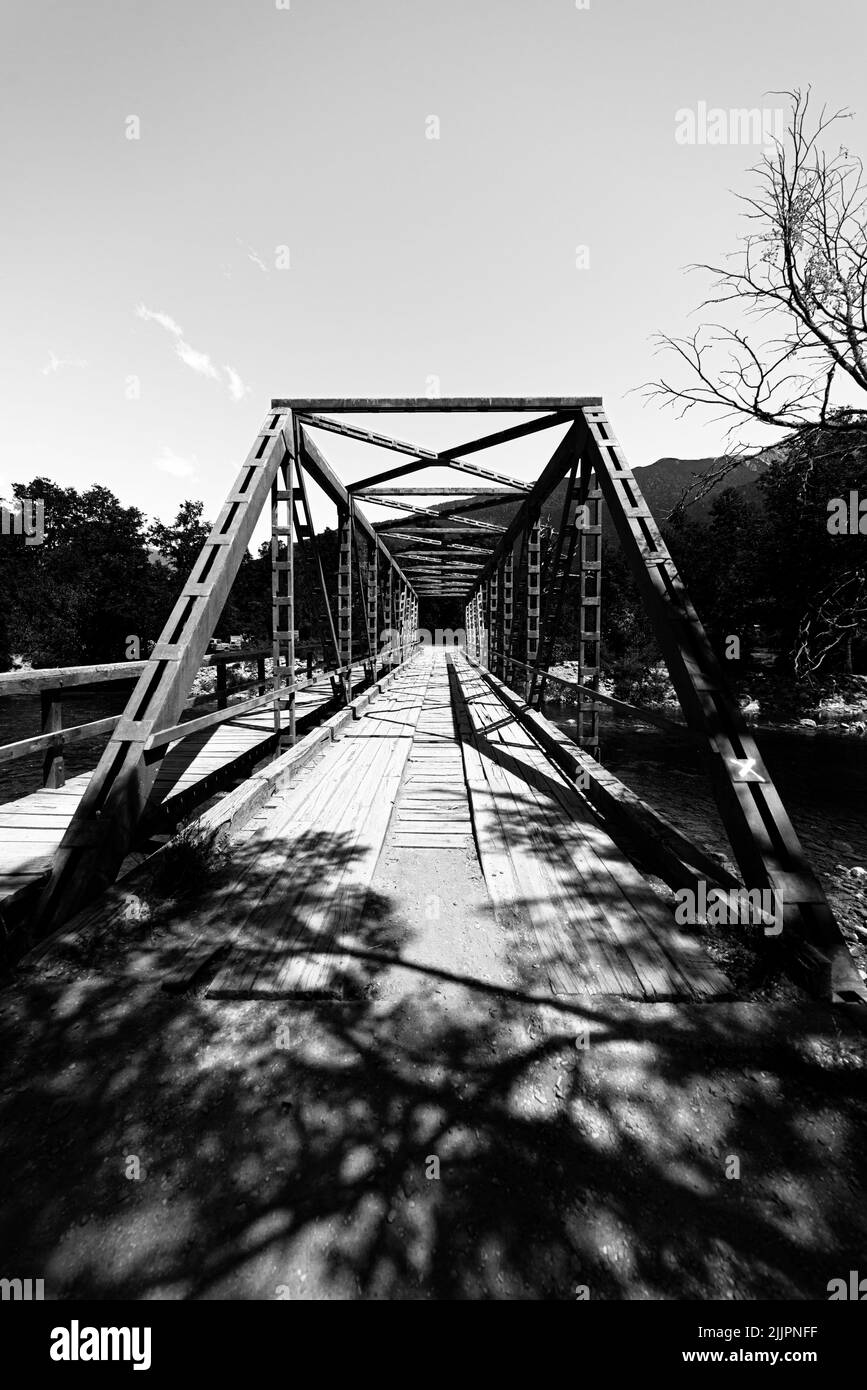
[
  {"x": 51, "y": 682},
  {"x": 649, "y": 716},
  {"x": 63, "y": 677}
]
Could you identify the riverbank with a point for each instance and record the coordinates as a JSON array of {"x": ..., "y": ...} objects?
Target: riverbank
[{"x": 838, "y": 704}]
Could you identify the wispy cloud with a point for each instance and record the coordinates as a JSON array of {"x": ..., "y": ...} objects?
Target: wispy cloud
[
  {"x": 237, "y": 389},
  {"x": 253, "y": 255},
  {"x": 199, "y": 361},
  {"x": 55, "y": 363},
  {"x": 193, "y": 358},
  {"x": 164, "y": 320},
  {"x": 167, "y": 461}
]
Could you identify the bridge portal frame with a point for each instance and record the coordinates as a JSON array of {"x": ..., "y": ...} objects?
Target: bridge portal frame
[{"x": 763, "y": 839}]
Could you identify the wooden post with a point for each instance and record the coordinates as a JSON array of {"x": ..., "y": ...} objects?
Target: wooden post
[
  {"x": 508, "y": 613},
  {"x": 391, "y": 617},
  {"x": 53, "y": 772},
  {"x": 532, "y": 647},
  {"x": 222, "y": 699},
  {"x": 590, "y": 614},
  {"x": 288, "y": 607},
  {"x": 344, "y": 601},
  {"x": 372, "y": 585},
  {"x": 260, "y": 673},
  {"x": 276, "y": 562},
  {"x": 283, "y": 594},
  {"x": 493, "y": 618}
]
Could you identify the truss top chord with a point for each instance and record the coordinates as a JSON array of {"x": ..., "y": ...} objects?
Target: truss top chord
[{"x": 360, "y": 405}]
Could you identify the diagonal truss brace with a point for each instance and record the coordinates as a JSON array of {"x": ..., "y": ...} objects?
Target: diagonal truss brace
[
  {"x": 763, "y": 838},
  {"x": 101, "y": 830}
]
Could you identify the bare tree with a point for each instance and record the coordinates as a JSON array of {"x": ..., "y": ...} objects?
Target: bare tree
[{"x": 802, "y": 273}]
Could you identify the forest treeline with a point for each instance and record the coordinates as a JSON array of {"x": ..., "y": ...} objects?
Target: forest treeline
[
  {"x": 761, "y": 565},
  {"x": 768, "y": 565},
  {"x": 104, "y": 573}
]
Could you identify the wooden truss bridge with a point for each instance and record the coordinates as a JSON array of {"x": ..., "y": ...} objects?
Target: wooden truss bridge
[{"x": 438, "y": 747}]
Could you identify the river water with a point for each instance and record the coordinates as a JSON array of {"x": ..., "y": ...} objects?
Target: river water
[{"x": 822, "y": 778}]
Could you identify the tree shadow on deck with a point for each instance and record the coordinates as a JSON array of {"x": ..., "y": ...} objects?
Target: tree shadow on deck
[{"x": 286, "y": 1148}]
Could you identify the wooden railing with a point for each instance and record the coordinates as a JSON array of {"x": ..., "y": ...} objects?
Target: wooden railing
[
  {"x": 639, "y": 712},
  {"x": 51, "y": 683}
]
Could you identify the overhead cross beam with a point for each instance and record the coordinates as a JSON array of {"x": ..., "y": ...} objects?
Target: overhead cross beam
[
  {"x": 445, "y": 458},
  {"x": 426, "y": 511}
]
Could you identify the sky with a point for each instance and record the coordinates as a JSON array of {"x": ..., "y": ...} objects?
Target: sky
[{"x": 207, "y": 203}]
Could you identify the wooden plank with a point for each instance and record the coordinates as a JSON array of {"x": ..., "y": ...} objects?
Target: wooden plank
[
  {"x": 347, "y": 770},
  {"x": 363, "y": 808},
  {"x": 623, "y": 931},
  {"x": 404, "y": 840}
]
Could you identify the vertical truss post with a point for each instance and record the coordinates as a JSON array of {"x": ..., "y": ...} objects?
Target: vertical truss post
[
  {"x": 344, "y": 601},
  {"x": 493, "y": 617},
  {"x": 305, "y": 530},
  {"x": 555, "y": 581},
  {"x": 533, "y": 567},
  {"x": 401, "y": 620},
  {"x": 362, "y": 570},
  {"x": 519, "y": 619},
  {"x": 483, "y": 623},
  {"x": 283, "y": 598},
  {"x": 508, "y": 613},
  {"x": 389, "y": 620},
  {"x": 372, "y": 607},
  {"x": 590, "y": 610}
]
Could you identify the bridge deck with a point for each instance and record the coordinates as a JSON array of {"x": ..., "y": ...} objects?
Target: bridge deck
[
  {"x": 436, "y": 765},
  {"x": 31, "y": 827}
]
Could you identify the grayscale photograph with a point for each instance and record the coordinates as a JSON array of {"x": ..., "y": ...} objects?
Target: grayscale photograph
[{"x": 433, "y": 671}]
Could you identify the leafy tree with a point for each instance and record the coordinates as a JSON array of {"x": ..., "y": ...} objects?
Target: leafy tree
[{"x": 77, "y": 596}]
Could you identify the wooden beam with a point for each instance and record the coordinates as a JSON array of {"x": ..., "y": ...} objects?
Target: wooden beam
[
  {"x": 533, "y": 587},
  {"x": 52, "y": 722},
  {"x": 101, "y": 830},
  {"x": 344, "y": 598},
  {"x": 322, "y": 473},
  {"x": 548, "y": 479},
  {"x": 358, "y": 405},
  {"x": 508, "y": 568},
  {"x": 313, "y": 541},
  {"x": 371, "y": 492},
  {"x": 427, "y": 512},
  {"x": 467, "y": 529},
  {"x": 451, "y": 458}
]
